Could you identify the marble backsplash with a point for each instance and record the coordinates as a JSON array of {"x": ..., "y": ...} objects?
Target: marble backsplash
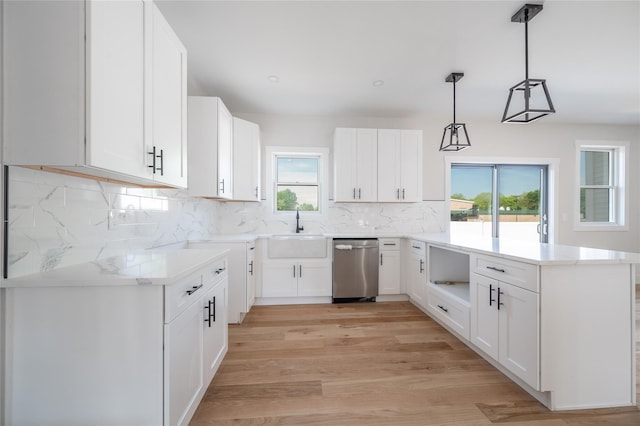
[
  {"x": 58, "y": 220},
  {"x": 340, "y": 218}
]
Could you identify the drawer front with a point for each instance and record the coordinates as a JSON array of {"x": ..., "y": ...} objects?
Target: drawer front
[
  {"x": 181, "y": 295},
  {"x": 449, "y": 311},
  {"x": 216, "y": 272},
  {"x": 389, "y": 244},
  {"x": 417, "y": 247},
  {"x": 523, "y": 275}
]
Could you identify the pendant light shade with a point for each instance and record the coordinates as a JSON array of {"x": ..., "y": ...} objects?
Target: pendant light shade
[
  {"x": 455, "y": 136},
  {"x": 528, "y": 100}
]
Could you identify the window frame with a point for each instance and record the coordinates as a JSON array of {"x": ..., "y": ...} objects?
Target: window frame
[
  {"x": 618, "y": 184},
  {"x": 552, "y": 165},
  {"x": 272, "y": 154}
]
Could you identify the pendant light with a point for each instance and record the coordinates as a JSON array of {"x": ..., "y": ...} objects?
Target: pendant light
[
  {"x": 530, "y": 97},
  {"x": 452, "y": 140}
]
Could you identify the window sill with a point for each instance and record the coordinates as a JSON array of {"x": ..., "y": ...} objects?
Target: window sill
[{"x": 600, "y": 227}]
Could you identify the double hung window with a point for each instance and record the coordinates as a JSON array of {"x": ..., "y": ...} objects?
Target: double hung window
[
  {"x": 297, "y": 183},
  {"x": 601, "y": 185},
  {"x": 297, "y": 180}
]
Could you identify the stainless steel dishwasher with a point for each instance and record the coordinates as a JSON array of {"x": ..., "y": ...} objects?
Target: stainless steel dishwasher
[{"x": 355, "y": 270}]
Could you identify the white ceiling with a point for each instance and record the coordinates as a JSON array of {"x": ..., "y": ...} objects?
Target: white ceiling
[{"x": 327, "y": 54}]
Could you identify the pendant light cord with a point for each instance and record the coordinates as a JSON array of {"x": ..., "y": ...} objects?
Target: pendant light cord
[
  {"x": 454, "y": 100},
  {"x": 526, "y": 44}
]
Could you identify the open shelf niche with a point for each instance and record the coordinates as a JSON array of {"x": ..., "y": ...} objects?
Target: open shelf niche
[{"x": 449, "y": 272}]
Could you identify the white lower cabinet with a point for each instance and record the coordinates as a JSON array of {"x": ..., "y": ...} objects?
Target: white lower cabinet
[
  {"x": 561, "y": 329},
  {"x": 242, "y": 275},
  {"x": 183, "y": 380},
  {"x": 116, "y": 354},
  {"x": 389, "y": 266},
  {"x": 296, "y": 278},
  {"x": 505, "y": 324},
  {"x": 196, "y": 339},
  {"x": 449, "y": 309},
  {"x": 215, "y": 334},
  {"x": 416, "y": 272}
]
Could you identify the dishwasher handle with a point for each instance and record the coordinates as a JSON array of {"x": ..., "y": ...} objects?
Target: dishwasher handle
[
  {"x": 350, "y": 247},
  {"x": 343, "y": 247}
]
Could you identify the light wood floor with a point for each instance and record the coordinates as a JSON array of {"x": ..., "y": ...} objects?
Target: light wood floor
[{"x": 367, "y": 364}]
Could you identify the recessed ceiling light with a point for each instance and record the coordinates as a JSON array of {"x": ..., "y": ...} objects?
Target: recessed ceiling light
[
  {"x": 274, "y": 78},
  {"x": 378, "y": 83}
]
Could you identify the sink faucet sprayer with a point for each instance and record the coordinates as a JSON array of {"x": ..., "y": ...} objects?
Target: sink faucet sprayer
[{"x": 298, "y": 227}]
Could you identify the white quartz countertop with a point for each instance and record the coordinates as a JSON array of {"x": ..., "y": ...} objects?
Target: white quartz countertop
[
  {"x": 146, "y": 267},
  {"x": 230, "y": 238},
  {"x": 541, "y": 254},
  {"x": 535, "y": 253}
]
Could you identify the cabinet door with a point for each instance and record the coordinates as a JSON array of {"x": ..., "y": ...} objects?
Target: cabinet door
[
  {"x": 168, "y": 110},
  {"x": 355, "y": 155},
  {"x": 116, "y": 72},
  {"x": 519, "y": 337},
  {"x": 183, "y": 364},
  {"x": 389, "y": 183},
  {"x": 251, "y": 276},
  {"x": 417, "y": 279},
  {"x": 279, "y": 279},
  {"x": 389, "y": 272},
  {"x": 367, "y": 165},
  {"x": 344, "y": 158},
  {"x": 484, "y": 331},
  {"x": 225, "y": 152},
  {"x": 246, "y": 160},
  {"x": 314, "y": 278},
  {"x": 43, "y": 82},
  {"x": 410, "y": 165},
  {"x": 215, "y": 329}
]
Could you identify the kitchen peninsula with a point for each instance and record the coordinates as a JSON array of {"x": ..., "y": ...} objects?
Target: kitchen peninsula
[{"x": 559, "y": 320}]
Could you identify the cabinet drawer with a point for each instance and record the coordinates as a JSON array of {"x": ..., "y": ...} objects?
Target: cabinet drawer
[
  {"x": 181, "y": 295},
  {"x": 389, "y": 243},
  {"x": 417, "y": 247},
  {"x": 216, "y": 272},
  {"x": 448, "y": 310},
  {"x": 524, "y": 275}
]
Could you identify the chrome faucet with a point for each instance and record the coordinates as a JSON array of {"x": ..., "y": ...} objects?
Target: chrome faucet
[{"x": 298, "y": 227}]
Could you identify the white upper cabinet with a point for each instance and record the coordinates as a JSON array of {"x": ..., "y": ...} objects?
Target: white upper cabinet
[
  {"x": 383, "y": 165},
  {"x": 210, "y": 127},
  {"x": 246, "y": 160},
  {"x": 167, "y": 87},
  {"x": 399, "y": 165},
  {"x": 84, "y": 105},
  {"x": 355, "y": 156},
  {"x": 115, "y": 98}
]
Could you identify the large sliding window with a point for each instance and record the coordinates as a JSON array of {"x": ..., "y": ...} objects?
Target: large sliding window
[{"x": 507, "y": 201}]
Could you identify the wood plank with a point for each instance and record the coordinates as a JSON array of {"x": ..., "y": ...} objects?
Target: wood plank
[{"x": 367, "y": 364}]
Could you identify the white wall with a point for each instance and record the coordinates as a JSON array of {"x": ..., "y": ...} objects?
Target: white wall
[{"x": 494, "y": 140}]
